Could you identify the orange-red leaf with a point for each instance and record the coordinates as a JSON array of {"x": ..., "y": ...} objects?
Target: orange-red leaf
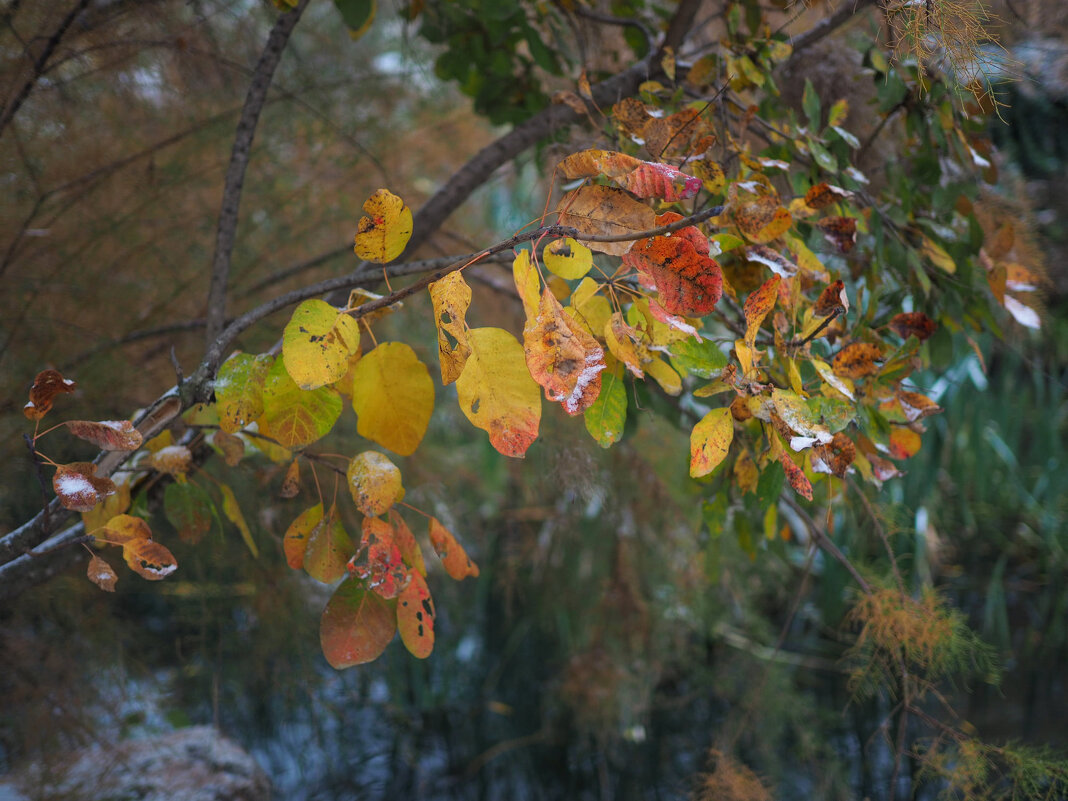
[
  {"x": 378, "y": 562},
  {"x": 904, "y": 442},
  {"x": 356, "y": 625},
  {"x": 563, "y": 357},
  {"x": 857, "y": 360},
  {"x": 78, "y": 486},
  {"x": 149, "y": 559},
  {"x": 295, "y": 542},
  {"x": 832, "y": 300},
  {"x": 690, "y": 283},
  {"x": 824, "y": 194},
  {"x": 415, "y": 617},
  {"x": 839, "y": 231},
  {"x": 795, "y": 475},
  {"x": 916, "y": 406},
  {"x": 653, "y": 179},
  {"x": 916, "y": 324},
  {"x": 455, "y": 559},
  {"x": 46, "y": 386},
  {"x": 108, "y": 435},
  {"x": 406, "y": 542},
  {"x": 757, "y": 306}
]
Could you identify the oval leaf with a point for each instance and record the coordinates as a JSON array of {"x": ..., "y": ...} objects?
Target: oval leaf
[
  {"x": 415, "y": 617},
  {"x": 189, "y": 509},
  {"x": 108, "y": 435},
  {"x": 78, "y": 486},
  {"x": 374, "y": 482},
  {"x": 149, "y": 559},
  {"x": 329, "y": 549},
  {"x": 568, "y": 258},
  {"x": 383, "y": 234},
  {"x": 455, "y": 559},
  {"x": 451, "y": 297},
  {"x": 316, "y": 344},
  {"x": 356, "y": 625},
  {"x": 295, "y": 417},
  {"x": 601, "y": 210},
  {"x": 393, "y": 396},
  {"x": 710, "y": 441},
  {"x": 295, "y": 542},
  {"x": 103, "y": 575},
  {"x": 239, "y": 390}
]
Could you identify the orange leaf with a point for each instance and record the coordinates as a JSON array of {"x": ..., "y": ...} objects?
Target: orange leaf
[
  {"x": 916, "y": 406},
  {"x": 378, "y": 562},
  {"x": 406, "y": 542},
  {"x": 149, "y": 559},
  {"x": 795, "y": 475},
  {"x": 78, "y": 486},
  {"x": 856, "y": 360},
  {"x": 824, "y": 194},
  {"x": 563, "y": 357},
  {"x": 295, "y": 542},
  {"x": 102, "y": 574},
  {"x": 762, "y": 219},
  {"x": 415, "y": 617},
  {"x": 291, "y": 484},
  {"x": 904, "y": 442},
  {"x": 122, "y": 529},
  {"x": 455, "y": 559},
  {"x": 46, "y": 386},
  {"x": 839, "y": 231},
  {"x": 174, "y": 460},
  {"x": 915, "y": 324},
  {"x": 591, "y": 163},
  {"x": 757, "y": 306},
  {"x": 356, "y": 625},
  {"x": 624, "y": 343},
  {"x": 600, "y": 210},
  {"x": 832, "y": 300},
  {"x": 690, "y": 283},
  {"x": 108, "y": 435}
]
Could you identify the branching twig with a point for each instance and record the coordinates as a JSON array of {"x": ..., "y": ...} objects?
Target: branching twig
[{"x": 828, "y": 545}]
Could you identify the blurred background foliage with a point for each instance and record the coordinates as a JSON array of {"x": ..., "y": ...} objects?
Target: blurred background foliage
[{"x": 612, "y": 638}]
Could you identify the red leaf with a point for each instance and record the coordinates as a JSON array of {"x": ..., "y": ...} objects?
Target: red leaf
[
  {"x": 796, "y": 476},
  {"x": 356, "y": 625},
  {"x": 455, "y": 559},
  {"x": 46, "y": 386},
  {"x": 378, "y": 561},
  {"x": 108, "y": 435},
  {"x": 690, "y": 283}
]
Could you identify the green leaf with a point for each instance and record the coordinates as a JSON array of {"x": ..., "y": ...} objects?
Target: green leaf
[
  {"x": 607, "y": 415},
  {"x": 834, "y": 413},
  {"x": 822, "y": 156},
  {"x": 189, "y": 509},
  {"x": 356, "y": 625},
  {"x": 328, "y": 550},
  {"x": 239, "y": 390},
  {"x": 357, "y": 15},
  {"x": 703, "y": 359},
  {"x": 769, "y": 485},
  {"x": 293, "y": 416},
  {"x": 810, "y": 102}
]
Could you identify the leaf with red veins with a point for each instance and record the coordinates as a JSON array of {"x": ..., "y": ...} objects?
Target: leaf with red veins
[
  {"x": 654, "y": 179},
  {"x": 690, "y": 283}
]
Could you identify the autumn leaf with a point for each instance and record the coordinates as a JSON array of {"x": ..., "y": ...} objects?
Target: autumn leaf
[
  {"x": 779, "y": 264},
  {"x": 383, "y": 234},
  {"x": 757, "y": 306},
  {"x": 607, "y": 415},
  {"x": 824, "y": 194},
  {"x": 913, "y": 324},
  {"x": 702, "y": 358},
  {"x": 527, "y": 283},
  {"x": 46, "y": 385},
  {"x": 378, "y": 562},
  {"x": 795, "y": 475},
  {"x": 591, "y": 163},
  {"x": 762, "y": 219},
  {"x": 904, "y": 442},
  {"x": 454, "y": 558},
  {"x": 689, "y": 282},
  {"x": 624, "y": 343},
  {"x": 562, "y": 357},
  {"x": 231, "y": 446},
  {"x": 295, "y": 542},
  {"x": 834, "y": 457},
  {"x": 857, "y": 360},
  {"x": 114, "y": 504},
  {"x": 291, "y": 483},
  {"x": 496, "y": 392},
  {"x": 101, "y": 574},
  {"x": 374, "y": 482},
  {"x": 604, "y": 210},
  {"x": 149, "y": 559},
  {"x": 173, "y": 460},
  {"x": 108, "y": 435},
  {"x": 316, "y": 344},
  {"x": 451, "y": 297},
  {"x": 654, "y": 179},
  {"x": 710, "y": 441},
  {"x": 711, "y": 174},
  {"x": 234, "y": 514},
  {"x": 239, "y": 388},
  {"x": 356, "y": 625},
  {"x": 122, "y": 529},
  {"x": 415, "y": 617},
  {"x": 937, "y": 255},
  {"x": 296, "y": 417},
  {"x": 832, "y": 300},
  {"x": 567, "y": 258},
  {"x": 189, "y": 509},
  {"x": 393, "y": 396},
  {"x": 589, "y": 307},
  {"x": 916, "y": 406},
  {"x": 839, "y": 231},
  {"x": 804, "y": 425},
  {"x": 406, "y": 542},
  {"x": 665, "y": 375},
  {"x": 79, "y": 488},
  {"x": 328, "y": 550}
]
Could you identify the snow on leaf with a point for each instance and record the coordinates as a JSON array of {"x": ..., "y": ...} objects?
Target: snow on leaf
[
  {"x": 689, "y": 282},
  {"x": 189, "y": 509},
  {"x": 356, "y": 625},
  {"x": 383, "y": 234},
  {"x": 916, "y": 406},
  {"x": 710, "y": 441},
  {"x": 108, "y": 435},
  {"x": 839, "y": 231},
  {"x": 174, "y": 460},
  {"x": 316, "y": 344},
  {"x": 779, "y": 264},
  {"x": 567, "y": 258},
  {"x": 46, "y": 385},
  {"x": 758, "y": 305},
  {"x": 149, "y": 559},
  {"x": 239, "y": 390},
  {"x": 234, "y": 514},
  {"x": 607, "y": 415},
  {"x": 451, "y": 297},
  {"x": 296, "y": 417},
  {"x": 453, "y": 557},
  {"x": 295, "y": 542},
  {"x": 415, "y": 617},
  {"x": 835, "y": 457},
  {"x": 1024, "y": 315},
  {"x": 600, "y": 210},
  {"x": 374, "y": 482},
  {"x": 841, "y": 385},
  {"x": 393, "y": 396},
  {"x": 101, "y": 574},
  {"x": 78, "y": 486},
  {"x": 824, "y": 194},
  {"x": 496, "y": 392},
  {"x": 563, "y": 357},
  {"x": 795, "y": 413}
]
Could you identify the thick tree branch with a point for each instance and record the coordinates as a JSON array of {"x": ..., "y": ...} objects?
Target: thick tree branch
[
  {"x": 239, "y": 157},
  {"x": 829, "y": 25},
  {"x": 12, "y": 107}
]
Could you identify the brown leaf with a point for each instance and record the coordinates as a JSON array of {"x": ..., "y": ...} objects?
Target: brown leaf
[
  {"x": 102, "y": 574},
  {"x": 832, "y": 300},
  {"x": 824, "y": 194},
  {"x": 563, "y": 357},
  {"x": 836, "y": 456},
  {"x": 916, "y": 406},
  {"x": 779, "y": 264},
  {"x": 762, "y": 218},
  {"x": 291, "y": 484},
  {"x": 46, "y": 386},
  {"x": 79, "y": 488},
  {"x": 108, "y": 435},
  {"x": 915, "y": 324},
  {"x": 631, "y": 115},
  {"x": 604, "y": 210},
  {"x": 795, "y": 475},
  {"x": 856, "y": 360},
  {"x": 839, "y": 231},
  {"x": 149, "y": 559},
  {"x": 174, "y": 460}
]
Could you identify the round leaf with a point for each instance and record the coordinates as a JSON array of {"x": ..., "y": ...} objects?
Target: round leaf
[
  {"x": 383, "y": 234},
  {"x": 356, "y": 625},
  {"x": 317, "y": 342},
  {"x": 374, "y": 481}
]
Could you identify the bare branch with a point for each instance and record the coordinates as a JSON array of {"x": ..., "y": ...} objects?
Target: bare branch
[
  {"x": 239, "y": 157},
  {"x": 828, "y": 25}
]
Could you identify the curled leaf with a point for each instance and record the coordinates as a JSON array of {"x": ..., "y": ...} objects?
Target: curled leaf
[
  {"x": 454, "y": 558},
  {"x": 79, "y": 488},
  {"x": 832, "y": 300},
  {"x": 102, "y": 574},
  {"x": 839, "y": 231},
  {"x": 108, "y": 435},
  {"x": 46, "y": 385}
]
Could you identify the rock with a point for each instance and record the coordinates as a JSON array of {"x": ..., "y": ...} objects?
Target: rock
[{"x": 194, "y": 764}]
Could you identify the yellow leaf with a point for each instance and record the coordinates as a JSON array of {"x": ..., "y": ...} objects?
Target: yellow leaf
[
  {"x": 316, "y": 344},
  {"x": 111, "y": 506},
  {"x": 234, "y": 515},
  {"x": 239, "y": 390},
  {"x": 374, "y": 482},
  {"x": 496, "y": 392},
  {"x": 393, "y": 396},
  {"x": 381, "y": 236},
  {"x": 664, "y": 375},
  {"x": 623, "y": 342},
  {"x": 527, "y": 284},
  {"x": 937, "y": 255},
  {"x": 710, "y": 441},
  {"x": 757, "y": 307},
  {"x": 568, "y": 258},
  {"x": 451, "y": 297},
  {"x": 295, "y": 542},
  {"x": 589, "y": 306}
]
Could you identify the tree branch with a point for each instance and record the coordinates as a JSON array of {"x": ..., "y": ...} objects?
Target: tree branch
[
  {"x": 239, "y": 157},
  {"x": 828, "y": 25}
]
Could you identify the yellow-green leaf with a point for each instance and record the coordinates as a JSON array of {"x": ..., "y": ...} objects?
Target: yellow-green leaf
[
  {"x": 382, "y": 235},
  {"x": 329, "y": 549},
  {"x": 393, "y": 396},
  {"x": 317, "y": 342},
  {"x": 937, "y": 255},
  {"x": 608, "y": 414},
  {"x": 296, "y": 417},
  {"x": 589, "y": 306},
  {"x": 239, "y": 390},
  {"x": 374, "y": 481},
  {"x": 496, "y": 392},
  {"x": 710, "y": 441},
  {"x": 234, "y": 515}
]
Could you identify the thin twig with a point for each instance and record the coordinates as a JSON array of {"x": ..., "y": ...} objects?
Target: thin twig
[{"x": 828, "y": 545}]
